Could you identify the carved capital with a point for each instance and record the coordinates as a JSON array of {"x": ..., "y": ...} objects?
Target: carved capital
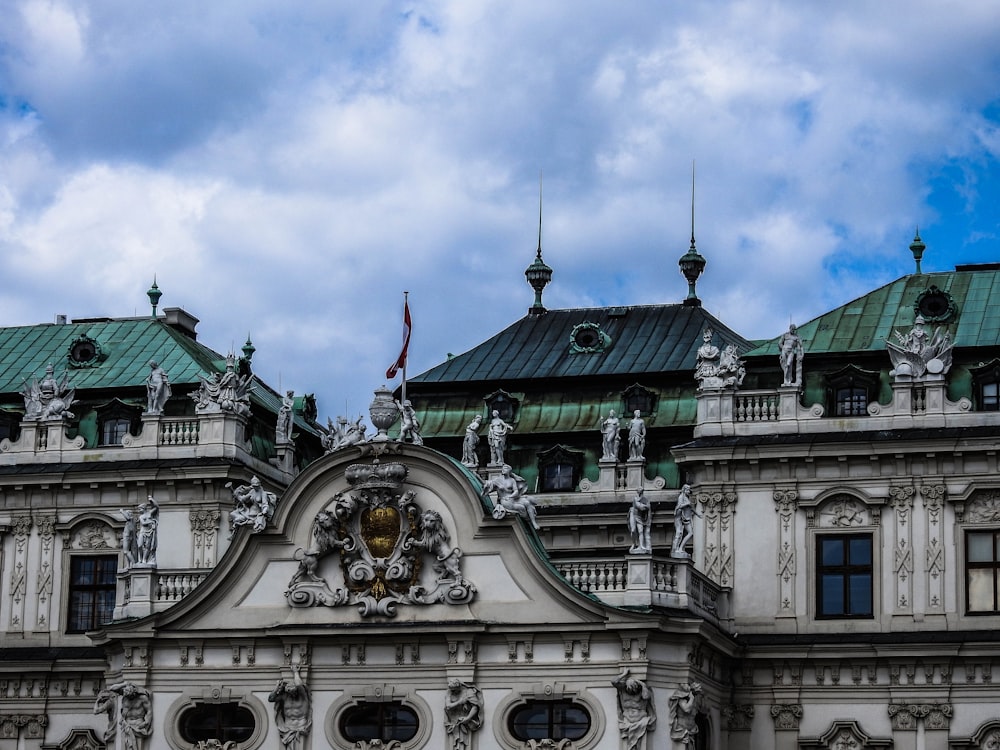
[
  {"x": 46, "y": 524},
  {"x": 204, "y": 520},
  {"x": 938, "y": 716},
  {"x": 738, "y": 717},
  {"x": 904, "y": 715},
  {"x": 933, "y": 495},
  {"x": 21, "y": 525},
  {"x": 786, "y": 715},
  {"x": 901, "y": 498},
  {"x": 785, "y": 500}
]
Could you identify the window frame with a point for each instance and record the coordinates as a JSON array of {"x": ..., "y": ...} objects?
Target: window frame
[
  {"x": 184, "y": 716},
  {"x": 74, "y": 587},
  {"x": 560, "y": 456},
  {"x": 551, "y": 707},
  {"x": 381, "y": 693},
  {"x": 992, "y": 565},
  {"x": 846, "y": 571},
  {"x": 548, "y": 691},
  {"x": 855, "y": 382}
]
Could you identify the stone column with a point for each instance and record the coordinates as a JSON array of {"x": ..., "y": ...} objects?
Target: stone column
[{"x": 786, "y": 725}]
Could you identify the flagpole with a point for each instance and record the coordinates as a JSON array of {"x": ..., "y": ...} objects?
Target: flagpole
[{"x": 406, "y": 302}]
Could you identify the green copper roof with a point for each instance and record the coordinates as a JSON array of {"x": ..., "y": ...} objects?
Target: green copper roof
[
  {"x": 865, "y": 323},
  {"x": 625, "y": 341},
  {"x": 126, "y": 347}
]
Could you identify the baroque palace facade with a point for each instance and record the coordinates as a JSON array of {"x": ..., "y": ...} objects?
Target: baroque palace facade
[{"x": 615, "y": 528}]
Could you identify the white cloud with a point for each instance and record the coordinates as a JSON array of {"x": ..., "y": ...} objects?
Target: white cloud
[{"x": 290, "y": 171}]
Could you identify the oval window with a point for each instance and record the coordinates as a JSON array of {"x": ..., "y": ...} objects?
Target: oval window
[
  {"x": 548, "y": 720},
  {"x": 217, "y": 721},
  {"x": 379, "y": 721}
]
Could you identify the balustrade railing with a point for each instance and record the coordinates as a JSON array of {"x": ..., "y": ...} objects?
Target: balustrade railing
[
  {"x": 756, "y": 406},
  {"x": 179, "y": 431},
  {"x": 175, "y": 585}
]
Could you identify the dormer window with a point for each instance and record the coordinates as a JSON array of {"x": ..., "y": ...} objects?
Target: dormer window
[
  {"x": 504, "y": 404},
  {"x": 638, "y": 398},
  {"x": 986, "y": 386},
  {"x": 84, "y": 352},
  {"x": 849, "y": 392},
  {"x": 115, "y": 421},
  {"x": 559, "y": 469}
]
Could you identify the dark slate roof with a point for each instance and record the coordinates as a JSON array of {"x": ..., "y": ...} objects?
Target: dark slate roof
[
  {"x": 644, "y": 339},
  {"x": 865, "y": 323}
]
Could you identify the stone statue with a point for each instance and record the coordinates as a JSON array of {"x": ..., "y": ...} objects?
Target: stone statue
[
  {"x": 145, "y": 538},
  {"x": 636, "y": 715},
  {"x": 283, "y": 429},
  {"x": 684, "y": 514},
  {"x": 715, "y": 368},
  {"x": 916, "y": 354},
  {"x": 790, "y": 353},
  {"x": 157, "y": 388},
  {"x": 128, "y": 538},
  {"x": 107, "y": 704},
  {"x": 343, "y": 433},
  {"x": 684, "y": 705},
  {"x": 612, "y": 437},
  {"x": 640, "y": 522},
  {"x": 292, "y": 710},
  {"x": 409, "y": 430},
  {"x": 253, "y": 506},
  {"x": 636, "y": 438},
  {"x": 463, "y": 710},
  {"x": 50, "y": 398},
  {"x": 136, "y": 714},
  {"x": 511, "y": 492},
  {"x": 471, "y": 441},
  {"x": 226, "y": 391},
  {"x": 496, "y": 436}
]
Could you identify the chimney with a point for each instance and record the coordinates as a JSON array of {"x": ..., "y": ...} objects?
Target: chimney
[{"x": 182, "y": 320}]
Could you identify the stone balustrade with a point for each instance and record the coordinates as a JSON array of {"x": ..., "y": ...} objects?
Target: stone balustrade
[
  {"x": 915, "y": 403},
  {"x": 648, "y": 581}
]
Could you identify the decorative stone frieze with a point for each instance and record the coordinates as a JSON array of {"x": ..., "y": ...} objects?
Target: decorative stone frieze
[
  {"x": 984, "y": 507},
  {"x": 29, "y": 726},
  {"x": 906, "y": 716},
  {"x": 204, "y": 536}
]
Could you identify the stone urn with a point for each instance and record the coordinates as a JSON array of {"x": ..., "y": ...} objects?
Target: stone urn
[{"x": 384, "y": 413}]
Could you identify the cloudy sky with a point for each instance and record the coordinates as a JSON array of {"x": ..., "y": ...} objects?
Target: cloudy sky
[{"x": 287, "y": 169}]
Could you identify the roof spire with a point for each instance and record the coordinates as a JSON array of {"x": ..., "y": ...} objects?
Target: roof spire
[
  {"x": 692, "y": 263},
  {"x": 154, "y": 295},
  {"x": 538, "y": 274},
  {"x": 248, "y": 349},
  {"x": 917, "y": 247}
]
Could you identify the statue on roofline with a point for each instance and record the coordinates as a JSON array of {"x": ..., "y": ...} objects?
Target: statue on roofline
[
  {"x": 49, "y": 398},
  {"x": 917, "y": 353},
  {"x": 226, "y": 391},
  {"x": 717, "y": 368}
]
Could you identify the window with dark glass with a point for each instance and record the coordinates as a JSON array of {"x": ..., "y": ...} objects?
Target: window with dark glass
[
  {"x": 552, "y": 720},
  {"x": 557, "y": 477},
  {"x": 844, "y": 576},
  {"x": 91, "y": 592},
  {"x": 982, "y": 571},
  {"x": 367, "y": 722},
  {"x": 503, "y": 404},
  {"x": 113, "y": 430},
  {"x": 989, "y": 396},
  {"x": 226, "y": 722},
  {"x": 849, "y": 391},
  {"x": 852, "y": 401}
]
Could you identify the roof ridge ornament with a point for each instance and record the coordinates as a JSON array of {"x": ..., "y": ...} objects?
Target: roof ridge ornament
[
  {"x": 154, "y": 295},
  {"x": 917, "y": 247},
  {"x": 692, "y": 263},
  {"x": 538, "y": 274}
]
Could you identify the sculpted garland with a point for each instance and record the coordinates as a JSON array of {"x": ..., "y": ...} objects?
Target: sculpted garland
[{"x": 384, "y": 539}]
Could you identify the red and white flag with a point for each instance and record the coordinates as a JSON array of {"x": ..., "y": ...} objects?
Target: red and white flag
[{"x": 401, "y": 359}]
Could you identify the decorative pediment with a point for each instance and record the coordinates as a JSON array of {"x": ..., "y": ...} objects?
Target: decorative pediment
[
  {"x": 845, "y": 735},
  {"x": 505, "y": 404}
]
